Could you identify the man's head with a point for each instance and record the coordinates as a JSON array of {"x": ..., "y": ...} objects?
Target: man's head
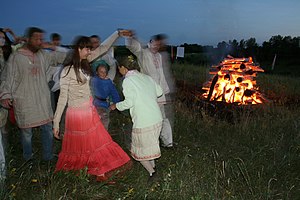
[
  {"x": 157, "y": 42},
  {"x": 55, "y": 39},
  {"x": 95, "y": 40},
  {"x": 35, "y": 38},
  {"x": 154, "y": 45}
]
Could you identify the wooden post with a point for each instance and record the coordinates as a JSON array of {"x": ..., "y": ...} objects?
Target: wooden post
[{"x": 274, "y": 60}]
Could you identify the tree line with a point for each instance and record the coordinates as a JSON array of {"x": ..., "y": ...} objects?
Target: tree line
[{"x": 286, "y": 48}]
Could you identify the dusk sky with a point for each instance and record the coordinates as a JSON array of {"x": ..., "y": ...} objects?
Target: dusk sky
[{"x": 205, "y": 22}]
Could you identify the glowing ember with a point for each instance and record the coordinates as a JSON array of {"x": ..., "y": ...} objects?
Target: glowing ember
[{"x": 234, "y": 82}]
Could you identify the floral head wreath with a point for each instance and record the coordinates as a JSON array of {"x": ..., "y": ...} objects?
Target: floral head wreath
[{"x": 130, "y": 58}]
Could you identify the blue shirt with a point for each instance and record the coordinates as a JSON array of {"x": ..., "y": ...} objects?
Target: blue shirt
[{"x": 104, "y": 91}]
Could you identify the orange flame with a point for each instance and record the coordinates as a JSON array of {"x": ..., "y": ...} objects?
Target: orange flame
[{"x": 234, "y": 82}]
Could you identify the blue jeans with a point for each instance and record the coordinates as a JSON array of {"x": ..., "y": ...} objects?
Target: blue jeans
[{"x": 47, "y": 141}]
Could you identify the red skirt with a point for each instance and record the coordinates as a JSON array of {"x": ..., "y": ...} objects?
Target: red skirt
[{"x": 86, "y": 143}]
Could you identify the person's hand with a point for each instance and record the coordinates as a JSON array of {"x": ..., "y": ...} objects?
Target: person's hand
[
  {"x": 125, "y": 33},
  {"x": 112, "y": 107},
  {"x": 6, "y": 103},
  {"x": 56, "y": 133},
  {"x": 8, "y": 30}
]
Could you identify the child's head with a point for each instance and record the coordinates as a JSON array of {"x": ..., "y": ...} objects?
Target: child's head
[
  {"x": 130, "y": 63},
  {"x": 101, "y": 71},
  {"x": 100, "y": 68}
]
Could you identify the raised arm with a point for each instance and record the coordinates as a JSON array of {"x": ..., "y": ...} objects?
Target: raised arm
[
  {"x": 17, "y": 39},
  {"x": 133, "y": 45},
  {"x": 106, "y": 44}
]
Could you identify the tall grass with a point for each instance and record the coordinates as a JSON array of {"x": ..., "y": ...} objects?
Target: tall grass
[
  {"x": 281, "y": 89},
  {"x": 255, "y": 155},
  {"x": 190, "y": 73}
]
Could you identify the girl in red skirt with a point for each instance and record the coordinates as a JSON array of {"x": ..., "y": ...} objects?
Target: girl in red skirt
[{"x": 86, "y": 143}]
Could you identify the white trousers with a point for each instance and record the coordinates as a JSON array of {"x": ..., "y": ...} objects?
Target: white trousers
[{"x": 166, "y": 134}]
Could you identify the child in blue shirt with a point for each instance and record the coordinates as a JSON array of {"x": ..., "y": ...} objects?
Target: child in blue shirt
[{"x": 104, "y": 91}]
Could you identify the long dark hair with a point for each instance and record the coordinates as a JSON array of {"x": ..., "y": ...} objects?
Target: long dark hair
[
  {"x": 6, "y": 48},
  {"x": 80, "y": 43}
]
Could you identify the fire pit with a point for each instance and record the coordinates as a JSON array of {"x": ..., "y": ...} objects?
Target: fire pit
[
  {"x": 233, "y": 81},
  {"x": 231, "y": 91}
]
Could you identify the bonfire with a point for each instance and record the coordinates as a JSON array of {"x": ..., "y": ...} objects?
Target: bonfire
[{"x": 234, "y": 81}]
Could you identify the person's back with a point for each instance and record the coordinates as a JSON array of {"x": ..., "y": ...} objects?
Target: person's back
[
  {"x": 141, "y": 92},
  {"x": 145, "y": 100}
]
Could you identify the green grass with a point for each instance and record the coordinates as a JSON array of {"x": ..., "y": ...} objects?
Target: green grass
[
  {"x": 283, "y": 90},
  {"x": 190, "y": 73},
  {"x": 254, "y": 155}
]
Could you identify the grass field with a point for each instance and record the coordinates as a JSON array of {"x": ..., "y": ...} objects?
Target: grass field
[{"x": 254, "y": 155}]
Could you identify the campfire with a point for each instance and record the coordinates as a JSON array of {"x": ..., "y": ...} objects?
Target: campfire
[{"x": 233, "y": 81}]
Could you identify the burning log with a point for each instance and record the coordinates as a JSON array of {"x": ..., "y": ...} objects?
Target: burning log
[{"x": 234, "y": 81}]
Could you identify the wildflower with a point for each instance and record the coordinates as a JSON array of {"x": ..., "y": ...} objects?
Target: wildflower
[
  {"x": 13, "y": 186},
  {"x": 130, "y": 58},
  {"x": 130, "y": 191},
  {"x": 34, "y": 180}
]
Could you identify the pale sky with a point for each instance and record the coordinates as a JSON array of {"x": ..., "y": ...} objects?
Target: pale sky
[{"x": 204, "y": 22}]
